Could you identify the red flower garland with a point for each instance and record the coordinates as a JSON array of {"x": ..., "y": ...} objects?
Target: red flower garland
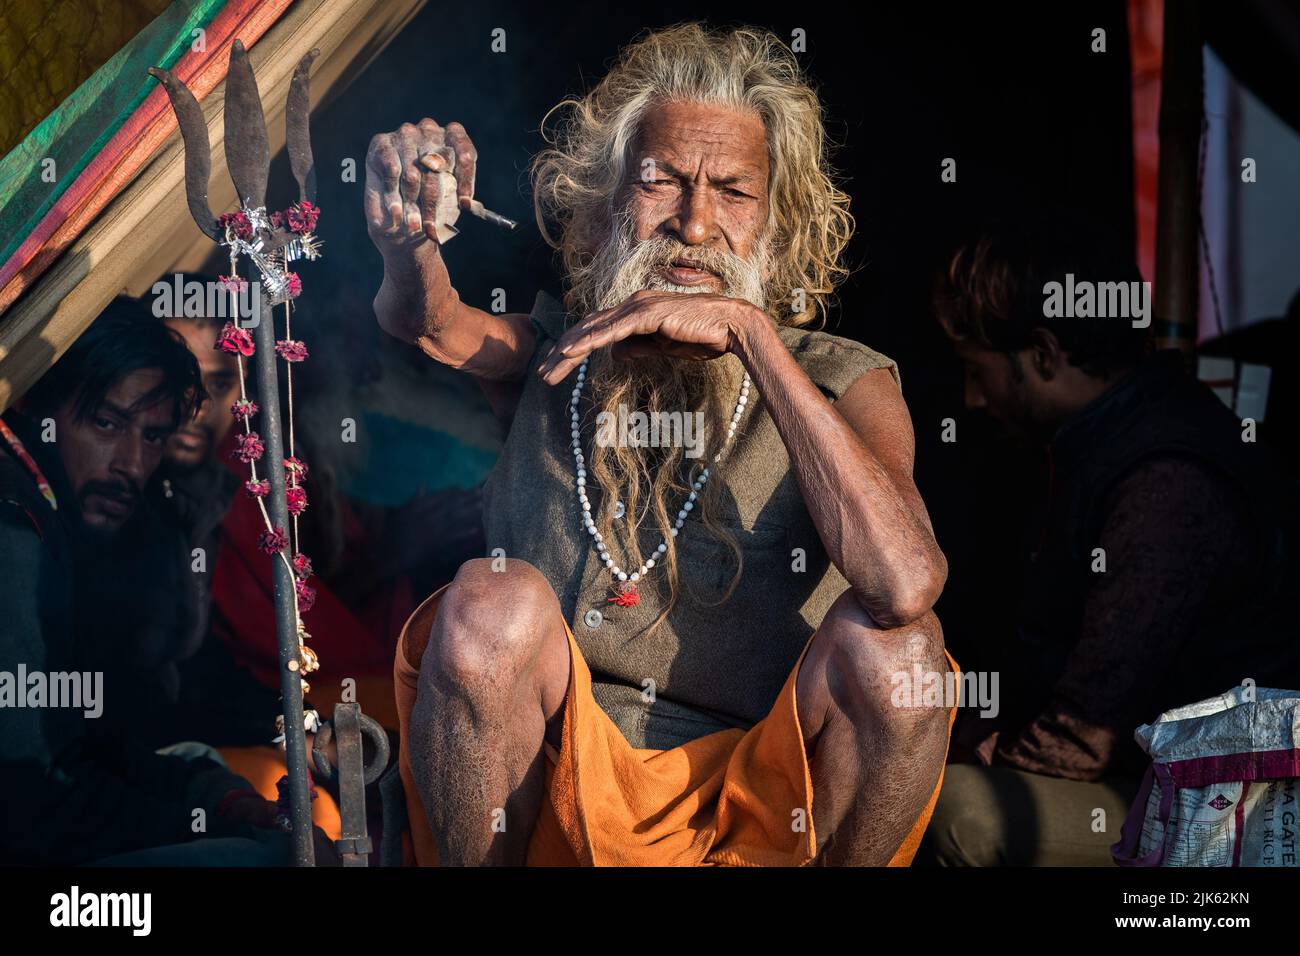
[
  {"x": 302, "y": 216},
  {"x": 301, "y": 219},
  {"x": 291, "y": 350},
  {"x": 238, "y": 221},
  {"x": 295, "y": 500},
  {"x": 235, "y": 340},
  {"x": 302, "y": 566},
  {"x": 273, "y": 541},
  {"x": 248, "y": 447},
  {"x": 306, "y": 596}
]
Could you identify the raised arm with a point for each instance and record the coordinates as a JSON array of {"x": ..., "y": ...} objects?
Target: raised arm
[{"x": 408, "y": 205}]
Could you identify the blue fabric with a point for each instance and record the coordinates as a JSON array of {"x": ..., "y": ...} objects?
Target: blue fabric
[{"x": 404, "y": 460}]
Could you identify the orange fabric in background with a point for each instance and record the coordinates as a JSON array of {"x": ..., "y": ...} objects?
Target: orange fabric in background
[
  {"x": 726, "y": 799},
  {"x": 264, "y": 766}
]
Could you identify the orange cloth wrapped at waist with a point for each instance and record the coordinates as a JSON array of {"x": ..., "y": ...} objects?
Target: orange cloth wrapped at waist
[{"x": 731, "y": 798}]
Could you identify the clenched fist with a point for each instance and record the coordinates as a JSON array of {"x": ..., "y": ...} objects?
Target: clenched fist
[{"x": 418, "y": 179}]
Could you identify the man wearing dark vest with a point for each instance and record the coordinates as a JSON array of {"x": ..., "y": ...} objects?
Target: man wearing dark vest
[
  {"x": 76, "y": 455},
  {"x": 707, "y": 557},
  {"x": 1158, "y": 571}
]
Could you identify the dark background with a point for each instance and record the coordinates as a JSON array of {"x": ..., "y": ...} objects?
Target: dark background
[{"x": 1012, "y": 92}]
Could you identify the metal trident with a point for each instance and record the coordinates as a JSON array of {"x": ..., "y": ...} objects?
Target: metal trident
[{"x": 270, "y": 247}]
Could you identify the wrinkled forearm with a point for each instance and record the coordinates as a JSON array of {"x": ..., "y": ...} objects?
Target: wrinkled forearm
[
  {"x": 872, "y": 532},
  {"x": 418, "y": 304},
  {"x": 416, "y": 296}
]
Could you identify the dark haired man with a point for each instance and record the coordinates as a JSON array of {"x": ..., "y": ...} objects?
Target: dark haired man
[
  {"x": 77, "y": 453},
  {"x": 193, "y": 686},
  {"x": 193, "y": 445},
  {"x": 1164, "y": 550}
]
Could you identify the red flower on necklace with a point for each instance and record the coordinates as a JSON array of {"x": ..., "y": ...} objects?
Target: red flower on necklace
[
  {"x": 295, "y": 469},
  {"x": 293, "y": 283},
  {"x": 257, "y": 489},
  {"x": 302, "y": 566},
  {"x": 244, "y": 409},
  {"x": 625, "y": 596}
]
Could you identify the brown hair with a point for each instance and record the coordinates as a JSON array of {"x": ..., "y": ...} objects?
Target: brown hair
[{"x": 992, "y": 291}]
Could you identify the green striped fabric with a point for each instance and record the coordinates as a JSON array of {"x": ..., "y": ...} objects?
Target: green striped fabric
[{"x": 75, "y": 132}]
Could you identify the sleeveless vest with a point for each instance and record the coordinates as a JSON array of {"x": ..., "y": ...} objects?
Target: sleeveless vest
[
  {"x": 1159, "y": 410},
  {"x": 709, "y": 665}
]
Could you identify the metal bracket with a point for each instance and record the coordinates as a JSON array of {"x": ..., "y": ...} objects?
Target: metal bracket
[{"x": 347, "y": 727}]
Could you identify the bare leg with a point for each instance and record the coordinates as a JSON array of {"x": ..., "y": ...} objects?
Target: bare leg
[
  {"x": 492, "y": 685},
  {"x": 873, "y": 764}
]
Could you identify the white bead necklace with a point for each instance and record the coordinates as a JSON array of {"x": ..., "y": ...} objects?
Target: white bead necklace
[{"x": 627, "y": 592}]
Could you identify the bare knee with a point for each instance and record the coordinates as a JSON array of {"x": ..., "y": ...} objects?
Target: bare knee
[{"x": 491, "y": 625}]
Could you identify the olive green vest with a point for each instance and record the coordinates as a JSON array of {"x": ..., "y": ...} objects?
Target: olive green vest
[{"x": 708, "y": 666}]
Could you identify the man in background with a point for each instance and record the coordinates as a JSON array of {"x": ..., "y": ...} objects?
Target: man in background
[
  {"x": 79, "y": 451},
  {"x": 1159, "y": 570}
]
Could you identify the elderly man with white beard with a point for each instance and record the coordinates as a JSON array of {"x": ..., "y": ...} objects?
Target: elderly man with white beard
[{"x": 669, "y": 659}]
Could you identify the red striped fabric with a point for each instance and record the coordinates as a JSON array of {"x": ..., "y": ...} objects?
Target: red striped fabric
[{"x": 139, "y": 138}]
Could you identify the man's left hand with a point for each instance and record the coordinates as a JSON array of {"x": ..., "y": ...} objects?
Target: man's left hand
[{"x": 699, "y": 326}]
